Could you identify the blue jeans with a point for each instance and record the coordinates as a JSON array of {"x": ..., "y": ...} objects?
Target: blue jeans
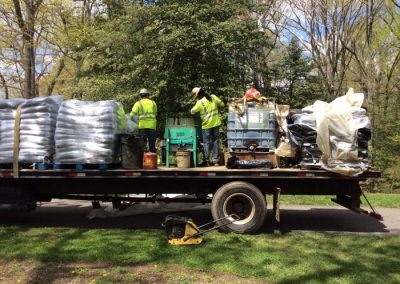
[
  {"x": 211, "y": 136},
  {"x": 151, "y": 136}
]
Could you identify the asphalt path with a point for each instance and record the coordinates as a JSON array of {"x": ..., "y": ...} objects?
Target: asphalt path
[{"x": 74, "y": 214}]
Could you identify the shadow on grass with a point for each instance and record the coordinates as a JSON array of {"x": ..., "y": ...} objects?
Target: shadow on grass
[
  {"x": 315, "y": 219},
  {"x": 323, "y": 220}
]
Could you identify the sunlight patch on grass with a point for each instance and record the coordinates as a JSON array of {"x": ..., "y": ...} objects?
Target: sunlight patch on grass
[{"x": 293, "y": 257}]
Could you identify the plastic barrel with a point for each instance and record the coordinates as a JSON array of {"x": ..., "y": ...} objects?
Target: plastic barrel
[{"x": 132, "y": 149}]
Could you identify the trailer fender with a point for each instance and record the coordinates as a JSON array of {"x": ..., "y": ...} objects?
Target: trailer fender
[{"x": 244, "y": 200}]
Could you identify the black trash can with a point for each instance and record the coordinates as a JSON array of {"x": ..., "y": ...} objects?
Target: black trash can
[{"x": 132, "y": 150}]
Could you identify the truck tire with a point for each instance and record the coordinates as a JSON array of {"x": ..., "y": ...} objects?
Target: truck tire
[{"x": 244, "y": 200}]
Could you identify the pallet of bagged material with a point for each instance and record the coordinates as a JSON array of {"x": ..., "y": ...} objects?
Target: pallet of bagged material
[{"x": 83, "y": 166}]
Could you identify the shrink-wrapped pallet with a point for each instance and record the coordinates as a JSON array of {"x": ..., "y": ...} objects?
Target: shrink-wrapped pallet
[
  {"x": 87, "y": 132},
  {"x": 37, "y": 128},
  {"x": 8, "y": 110},
  {"x": 37, "y": 123}
]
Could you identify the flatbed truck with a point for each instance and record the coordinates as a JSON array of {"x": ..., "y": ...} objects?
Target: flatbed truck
[{"x": 230, "y": 191}]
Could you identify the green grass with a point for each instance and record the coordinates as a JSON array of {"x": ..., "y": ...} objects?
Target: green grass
[
  {"x": 376, "y": 199},
  {"x": 290, "y": 258}
]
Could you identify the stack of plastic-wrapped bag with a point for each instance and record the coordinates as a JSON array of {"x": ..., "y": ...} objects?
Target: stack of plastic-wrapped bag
[
  {"x": 37, "y": 128},
  {"x": 8, "y": 109},
  {"x": 87, "y": 132},
  {"x": 36, "y": 131}
]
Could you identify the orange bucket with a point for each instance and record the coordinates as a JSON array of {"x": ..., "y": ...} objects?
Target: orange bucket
[{"x": 149, "y": 161}]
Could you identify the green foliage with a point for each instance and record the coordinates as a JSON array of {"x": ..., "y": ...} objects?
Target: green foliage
[
  {"x": 169, "y": 48},
  {"x": 294, "y": 83},
  {"x": 386, "y": 151}
]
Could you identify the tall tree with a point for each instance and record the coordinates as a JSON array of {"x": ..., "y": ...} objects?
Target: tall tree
[
  {"x": 292, "y": 77},
  {"x": 322, "y": 27},
  {"x": 26, "y": 22},
  {"x": 31, "y": 43}
]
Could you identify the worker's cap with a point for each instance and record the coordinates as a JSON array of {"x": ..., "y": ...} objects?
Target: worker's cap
[
  {"x": 144, "y": 92},
  {"x": 195, "y": 91}
]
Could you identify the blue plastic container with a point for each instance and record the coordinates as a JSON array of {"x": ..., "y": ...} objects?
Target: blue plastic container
[{"x": 257, "y": 125}]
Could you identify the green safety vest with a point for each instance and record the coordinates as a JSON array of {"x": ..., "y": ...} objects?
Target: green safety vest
[
  {"x": 208, "y": 111},
  {"x": 146, "y": 110}
]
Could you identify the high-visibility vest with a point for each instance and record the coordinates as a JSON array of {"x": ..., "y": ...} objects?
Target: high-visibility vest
[
  {"x": 208, "y": 111},
  {"x": 146, "y": 111}
]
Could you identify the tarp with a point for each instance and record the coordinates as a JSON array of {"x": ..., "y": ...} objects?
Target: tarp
[{"x": 337, "y": 126}]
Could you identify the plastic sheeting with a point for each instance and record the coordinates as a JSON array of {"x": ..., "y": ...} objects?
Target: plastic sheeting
[
  {"x": 338, "y": 125},
  {"x": 8, "y": 110},
  {"x": 235, "y": 163},
  {"x": 87, "y": 132},
  {"x": 299, "y": 134},
  {"x": 333, "y": 135},
  {"x": 37, "y": 127},
  {"x": 131, "y": 125},
  {"x": 302, "y": 135}
]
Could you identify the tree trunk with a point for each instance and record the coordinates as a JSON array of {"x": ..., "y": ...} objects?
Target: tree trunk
[
  {"x": 54, "y": 80},
  {"x": 4, "y": 83},
  {"x": 27, "y": 26}
]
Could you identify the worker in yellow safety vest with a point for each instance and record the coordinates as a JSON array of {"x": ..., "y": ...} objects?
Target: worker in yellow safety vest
[
  {"x": 145, "y": 112},
  {"x": 207, "y": 106}
]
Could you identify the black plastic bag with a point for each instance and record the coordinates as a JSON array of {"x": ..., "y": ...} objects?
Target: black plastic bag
[
  {"x": 300, "y": 133},
  {"x": 235, "y": 163}
]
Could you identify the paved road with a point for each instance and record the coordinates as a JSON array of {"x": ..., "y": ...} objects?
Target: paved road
[{"x": 61, "y": 213}]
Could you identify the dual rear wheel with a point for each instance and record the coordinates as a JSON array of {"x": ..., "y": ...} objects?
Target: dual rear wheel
[{"x": 244, "y": 200}]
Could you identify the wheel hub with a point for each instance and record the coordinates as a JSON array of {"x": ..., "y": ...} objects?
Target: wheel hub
[{"x": 240, "y": 204}]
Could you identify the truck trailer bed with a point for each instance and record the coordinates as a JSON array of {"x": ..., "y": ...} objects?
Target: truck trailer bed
[{"x": 230, "y": 191}]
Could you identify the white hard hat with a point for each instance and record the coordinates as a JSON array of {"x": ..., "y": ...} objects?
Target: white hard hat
[
  {"x": 144, "y": 91},
  {"x": 195, "y": 91}
]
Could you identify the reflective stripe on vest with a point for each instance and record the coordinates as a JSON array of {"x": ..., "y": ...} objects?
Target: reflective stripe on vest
[
  {"x": 146, "y": 116},
  {"x": 211, "y": 113}
]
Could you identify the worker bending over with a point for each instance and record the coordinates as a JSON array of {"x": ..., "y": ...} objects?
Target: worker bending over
[
  {"x": 145, "y": 111},
  {"x": 208, "y": 106}
]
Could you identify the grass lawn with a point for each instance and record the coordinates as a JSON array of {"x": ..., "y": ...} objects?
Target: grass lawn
[
  {"x": 376, "y": 199},
  {"x": 290, "y": 258}
]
